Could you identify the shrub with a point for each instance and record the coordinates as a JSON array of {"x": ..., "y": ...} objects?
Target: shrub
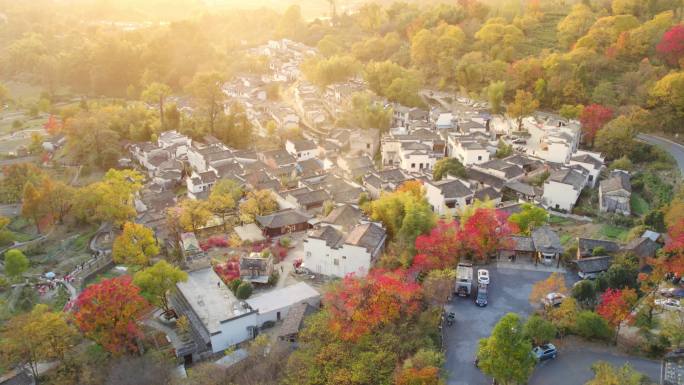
[
  {"x": 585, "y": 293},
  {"x": 599, "y": 251},
  {"x": 273, "y": 278},
  {"x": 234, "y": 285},
  {"x": 267, "y": 325},
  {"x": 286, "y": 242},
  {"x": 244, "y": 290},
  {"x": 622, "y": 164},
  {"x": 591, "y": 326}
]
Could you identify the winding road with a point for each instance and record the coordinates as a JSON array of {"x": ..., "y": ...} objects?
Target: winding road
[{"x": 675, "y": 149}]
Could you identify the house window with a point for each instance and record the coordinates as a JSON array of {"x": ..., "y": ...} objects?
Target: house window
[
  {"x": 413, "y": 165},
  {"x": 336, "y": 262},
  {"x": 420, "y": 166},
  {"x": 308, "y": 253},
  {"x": 557, "y": 206},
  {"x": 479, "y": 157},
  {"x": 344, "y": 257},
  {"x": 368, "y": 146},
  {"x": 591, "y": 177}
]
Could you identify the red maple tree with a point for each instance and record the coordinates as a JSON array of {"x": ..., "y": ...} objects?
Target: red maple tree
[
  {"x": 52, "y": 126},
  {"x": 593, "y": 118},
  {"x": 486, "y": 231},
  {"x": 674, "y": 248},
  {"x": 358, "y": 305},
  {"x": 108, "y": 313},
  {"x": 615, "y": 306},
  {"x": 440, "y": 248},
  {"x": 671, "y": 46}
]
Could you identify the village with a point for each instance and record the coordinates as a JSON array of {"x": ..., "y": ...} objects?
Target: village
[{"x": 297, "y": 216}]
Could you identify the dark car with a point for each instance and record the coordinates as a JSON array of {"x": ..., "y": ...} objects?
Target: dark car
[
  {"x": 481, "y": 299},
  {"x": 545, "y": 352}
]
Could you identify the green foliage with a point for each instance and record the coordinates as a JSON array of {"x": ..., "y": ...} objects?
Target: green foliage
[
  {"x": 539, "y": 330},
  {"x": 364, "y": 112},
  {"x": 244, "y": 290},
  {"x": 234, "y": 284},
  {"x": 617, "y": 137},
  {"x": 448, "y": 166},
  {"x": 591, "y": 326},
  {"x": 404, "y": 215},
  {"x": 495, "y": 92},
  {"x": 157, "y": 281},
  {"x": 16, "y": 263},
  {"x": 585, "y": 293},
  {"x": 506, "y": 354},
  {"x": 529, "y": 218},
  {"x": 325, "y": 71},
  {"x": 394, "y": 82},
  {"x": 605, "y": 373},
  {"x": 503, "y": 150}
]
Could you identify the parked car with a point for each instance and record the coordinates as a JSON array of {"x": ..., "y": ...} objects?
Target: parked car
[
  {"x": 520, "y": 141},
  {"x": 672, "y": 292},
  {"x": 481, "y": 299},
  {"x": 545, "y": 352},
  {"x": 669, "y": 304},
  {"x": 483, "y": 276},
  {"x": 553, "y": 299}
]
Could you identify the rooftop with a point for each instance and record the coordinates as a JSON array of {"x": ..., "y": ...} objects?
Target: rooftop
[
  {"x": 452, "y": 188},
  {"x": 368, "y": 235},
  {"x": 280, "y": 298},
  {"x": 210, "y": 299}
]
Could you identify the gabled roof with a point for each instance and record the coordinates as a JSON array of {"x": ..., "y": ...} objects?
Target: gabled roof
[
  {"x": 642, "y": 247},
  {"x": 483, "y": 177},
  {"x": 593, "y": 264},
  {"x": 570, "y": 177},
  {"x": 367, "y": 235},
  {"x": 586, "y": 158},
  {"x": 329, "y": 234},
  {"x": 520, "y": 243},
  {"x": 452, "y": 188},
  {"x": 303, "y": 145},
  {"x": 486, "y": 194},
  {"x": 586, "y": 246},
  {"x": 282, "y": 218},
  {"x": 546, "y": 240},
  {"x": 345, "y": 215},
  {"x": 615, "y": 183},
  {"x": 310, "y": 197}
]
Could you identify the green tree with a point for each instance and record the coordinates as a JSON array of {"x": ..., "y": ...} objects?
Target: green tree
[
  {"x": 156, "y": 281},
  {"x": 16, "y": 263},
  {"x": 575, "y": 24},
  {"x": 448, "y": 166},
  {"x": 570, "y": 111},
  {"x": 324, "y": 71},
  {"x": 529, "y": 218},
  {"x": 223, "y": 200},
  {"x": 607, "y": 374},
  {"x": 506, "y": 354},
  {"x": 617, "y": 137},
  {"x": 244, "y": 290},
  {"x": 622, "y": 163},
  {"x": 135, "y": 246},
  {"x": 209, "y": 96},
  {"x": 503, "y": 150},
  {"x": 403, "y": 215},
  {"x": 523, "y": 105},
  {"x": 6, "y": 236},
  {"x": 501, "y": 39},
  {"x": 32, "y": 205},
  {"x": 591, "y": 326},
  {"x": 156, "y": 93},
  {"x": 495, "y": 92},
  {"x": 539, "y": 330}
]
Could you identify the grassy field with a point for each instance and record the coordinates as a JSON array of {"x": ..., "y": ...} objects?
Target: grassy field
[
  {"x": 614, "y": 232},
  {"x": 639, "y": 205}
]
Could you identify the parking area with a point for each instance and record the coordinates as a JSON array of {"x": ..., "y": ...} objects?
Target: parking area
[{"x": 508, "y": 292}]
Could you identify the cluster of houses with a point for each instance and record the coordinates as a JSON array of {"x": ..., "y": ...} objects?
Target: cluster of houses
[{"x": 319, "y": 179}]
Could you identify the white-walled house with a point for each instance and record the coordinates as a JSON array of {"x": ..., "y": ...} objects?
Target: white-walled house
[
  {"x": 199, "y": 184},
  {"x": 467, "y": 150},
  {"x": 331, "y": 252},
  {"x": 592, "y": 162},
  {"x": 563, "y": 188},
  {"x": 447, "y": 195},
  {"x": 301, "y": 149},
  {"x": 220, "y": 319},
  {"x": 274, "y": 305}
]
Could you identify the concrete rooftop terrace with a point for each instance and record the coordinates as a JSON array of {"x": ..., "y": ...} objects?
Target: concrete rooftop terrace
[{"x": 210, "y": 299}]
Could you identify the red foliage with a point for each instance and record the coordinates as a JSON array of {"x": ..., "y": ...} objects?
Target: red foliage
[
  {"x": 297, "y": 262},
  {"x": 428, "y": 375},
  {"x": 593, "y": 118},
  {"x": 616, "y": 305},
  {"x": 108, "y": 313},
  {"x": 358, "y": 306},
  {"x": 671, "y": 46},
  {"x": 439, "y": 249},
  {"x": 216, "y": 241},
  {"x": 228, "y": 271},
  {"x": 675, "y": 248},
  {"x": 52, "y": 126},
  {"x": 279, "y": 252},
  {"x": 486, "y": 231}
]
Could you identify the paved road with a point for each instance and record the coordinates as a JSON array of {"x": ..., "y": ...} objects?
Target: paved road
[
  {"x": 675, "y": 149},
  {"x": 10, "y": 210},
  {"x": 573, "y": 366}
]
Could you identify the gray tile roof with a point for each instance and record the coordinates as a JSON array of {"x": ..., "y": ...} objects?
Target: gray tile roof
[
  {"x": 282, "y": 218},
  {"x": 453, "y": 188},
  {"x": 586, "y": 246},
  {"x": 569, "y": 176},
  {"x": 345, "y": 215},
  {"x": 616, "y": 183},
  {"x": 329, "y": 234},
  {"x": 367, "y": 235},
  {"x": 593, "y": 264},
  {"x": 546, "y": 240}
]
